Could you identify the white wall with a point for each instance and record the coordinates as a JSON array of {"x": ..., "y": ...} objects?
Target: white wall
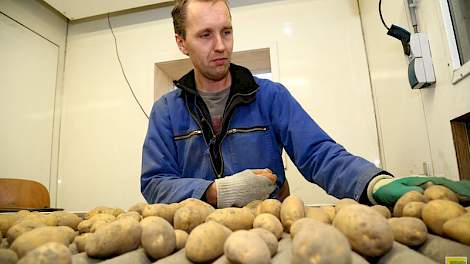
[
  {"x": 46, "y": 114},
  {"x": 320, "y": 58},
  {"x": 408, "y": 118}
]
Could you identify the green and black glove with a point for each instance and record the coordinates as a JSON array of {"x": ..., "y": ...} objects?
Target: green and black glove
[{"x": 386, "y": 190}]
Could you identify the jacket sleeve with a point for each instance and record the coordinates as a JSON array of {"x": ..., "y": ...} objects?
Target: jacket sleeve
[
  {"x": 318, "y": 157},
  {"x": 161, "y": 180}
]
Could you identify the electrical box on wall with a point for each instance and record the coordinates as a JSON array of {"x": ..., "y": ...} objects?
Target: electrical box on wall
[{"x": 420, "y": 68}]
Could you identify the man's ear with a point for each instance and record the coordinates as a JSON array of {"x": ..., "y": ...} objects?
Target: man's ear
[{"x": 181, "y": 44}]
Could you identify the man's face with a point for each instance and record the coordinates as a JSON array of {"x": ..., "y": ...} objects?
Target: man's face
[{"x": 209, "y": 40}]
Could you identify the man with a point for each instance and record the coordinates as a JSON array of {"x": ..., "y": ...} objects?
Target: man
[{"x": 220, "y": 135}]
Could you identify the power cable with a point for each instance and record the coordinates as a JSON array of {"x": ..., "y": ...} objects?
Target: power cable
[{"x": 381, "y": 17}]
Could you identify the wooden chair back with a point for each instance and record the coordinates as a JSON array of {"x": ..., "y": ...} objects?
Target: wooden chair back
[{"x": 20, "y": 193}]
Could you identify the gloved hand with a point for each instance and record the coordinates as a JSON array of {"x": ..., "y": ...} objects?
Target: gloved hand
[
  {"x": 244, "y": 187},
  {"x": 387, "y": 190}
]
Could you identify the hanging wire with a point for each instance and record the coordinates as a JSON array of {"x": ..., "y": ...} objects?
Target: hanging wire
[{"x": 381, "y": 17}]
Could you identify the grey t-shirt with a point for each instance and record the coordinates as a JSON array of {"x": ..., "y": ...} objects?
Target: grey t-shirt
[{"x": 216, "y": 104}]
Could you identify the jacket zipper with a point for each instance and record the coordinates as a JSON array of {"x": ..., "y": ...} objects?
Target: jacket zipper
[
  {"x": 188, "y": 135},
  {"x": 246, "y": 130}
]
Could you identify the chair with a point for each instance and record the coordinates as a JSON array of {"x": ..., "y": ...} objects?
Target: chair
[{"x": 23, "y": 194}]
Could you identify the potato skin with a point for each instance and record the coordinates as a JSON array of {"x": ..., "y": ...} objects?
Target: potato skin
[
  {"x": 439, "y": 192},
  {"x": 206, "y": 242},
  {"x": 413, "y": 209},
  {"x": 270, "y": 206},
  {"x": 80, "y": 241},
  {"x": 292, "y": 209},
  {"x": 409, "y": 231},
  {"x": 233, "y": 218},
  {"x": 330, "y": 211},
  {"x": 437, "y": 212},
  {"x": 343, "y": 203},
  {"x": 132, "y": 214},
  {"x": 91, "y": 224},
  {"x": 164, "y": 211},
  {"x": 382, "y": 210},
  {"x": 40, "y": 236},
  {"x": 115, "y": 238},
  {"x": 458, "y": 228},
  {"x": 268, "y": 238},
  {"x": 158, "y": 237},
  {"x": 49, "y": 253},
  {"x": 104, "y": 210},
  {"x": 321, "y": 244},
  {"x": 8, "y": 256},
  {"x": 181, "y": 238},
  {"x": 189, "y": 216},
  {"x": 21, "y": 228},
  {"x": 138, "y": 207},
  {"x": 270, "y": 223},
  {"x": 368, "y": 231},
  {"x": 246, "y": 247},
  {"x": 317, "y": 214},
  {"x": 411, "y": 196},
  {"x": 303, "y": 223},
  {"x": 67, "y": 219},
  {"x": 253, "y": 206}
]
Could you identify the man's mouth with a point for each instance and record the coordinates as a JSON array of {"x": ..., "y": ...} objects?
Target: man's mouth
[{"x": 219, "y": 61}]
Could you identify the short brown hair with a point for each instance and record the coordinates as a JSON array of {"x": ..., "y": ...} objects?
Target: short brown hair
[{"x": 179, "y": 15}]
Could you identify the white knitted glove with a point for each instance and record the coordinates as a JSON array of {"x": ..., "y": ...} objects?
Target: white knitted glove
[{"x": 242, "y": 188}]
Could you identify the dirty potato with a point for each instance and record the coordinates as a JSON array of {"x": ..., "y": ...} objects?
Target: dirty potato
[
  {"x": 330, "y": 211},
  {"x": 268, "y": 238},
  {"x": 410, "y": 231},
  {"x": 80, "y": 241},
  {"x": 413, "y": 209},
  {"x": 411, "y": 196},
  {"x": 189, "y": 216},
  {"x": 164, "y": 211},
  {"x": 104, "y": 210},
  {"x": 132, "y": 214},
  {"x": 93, "y": 222},
  {"x": 158, "y": 237},
  {"x": 138, "y": 207},
  {"x": 292, "y": 209},
  {"x": 233, "y": 218},
  {"x": 21, "y": 228},
  {"x": 270, "y": 206},
  {"x": 382, "y": 210},
  {"x": 343, "y": 203},
  {"x": 303, "y": 223},
  {"x": 439, "y": 192},
  {"x": 206, "y": 242},
  {"x": 181, "y": 238},
  {"x": 8, "y": 256},
  {"x": 317, "y": 214},
  {"x": 458, "y": 228},
  {"x": 67, "y": 219},
  {"x": 437, "y": 212},
  {"x": 253, "y": 206},
  {"x": 49, "y": 253},
  {"x": 270, "y": 223},
  {"x": 246, "y": 247},
  {"x": 368, "y": 231}
]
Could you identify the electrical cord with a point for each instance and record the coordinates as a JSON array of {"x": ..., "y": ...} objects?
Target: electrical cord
[
  {"x": 381, "y": 17},
  {"x": 122, "y": 68}
]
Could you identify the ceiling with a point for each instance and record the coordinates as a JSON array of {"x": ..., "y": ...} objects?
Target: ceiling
[{"x": 73, "y": 9}]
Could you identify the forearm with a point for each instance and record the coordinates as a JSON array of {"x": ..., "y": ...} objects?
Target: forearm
[
  {"x": 171, "y": 189},
  {"x": 210, "y": 196}
]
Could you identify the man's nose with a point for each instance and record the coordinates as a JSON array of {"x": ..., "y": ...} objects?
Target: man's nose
[{"x": 219, "y": 44}]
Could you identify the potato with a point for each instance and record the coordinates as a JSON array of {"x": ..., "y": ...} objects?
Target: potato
[
  {"x": 206, "y": 242},
  {"x": 246, "y": 247},
  {"x": 437, "y": 212},
  {"x": 317, "y": 214},
  {"x": 270, "y": 223},
  {"x": 104, "y": 210},
  {"x": 40, "y": 236},
  {"x": 382, "y": 210},
  {"x": 268, "y": 238},
  {"x": 132, "y": 214},
  {"x": 67, "y": 219},
  {"x": 23, "y": 213},
  {"x": 4, "y": 243},
  {"x": 1, "y": 235},
  {"x": 8, "y": 256},
  {"x": 73, "y": 248},
  {"x": 410, "y": 231},
  {"x": 458, "y": 228},
  {"x": 321, "y": 244},
  {"x": 49, "y": 253},
  {"x": 81, "y": 240},
  {"x": 189, "y": 216},
  {"x": 47, "y": 219},
  {"x": 158, "y": 237},
  {"x": 233, "y": 218},
  {"x": 303, "y": 223},
  {"x": 270, "y": 206},
  {"x": 411, "y": 196},
  {"x": 87, "y": 226},
  {"x": 439, "y": 192},
  {"x": 343, "y": 203},
  {"x": 413, "y": 209},
  {"x": 368, "y": 231},
  {"x": 138, "y": 207},
  {"x": 292, "y": 209},
  {"x": 468, "y": 209},
  {"x": 164, "y": 211},
  {"x": 253, "y": 206},
  {"x": 196, "y": 202},
  {"x": 181, "y": 238},
  {"x": 21, "y": 228},
  {"x": 330, "y": 211}
]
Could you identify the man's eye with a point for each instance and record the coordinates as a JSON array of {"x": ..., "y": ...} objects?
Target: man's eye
[
  {"x": 228, "y": 32},
  {"x": 205, "y": 35}
]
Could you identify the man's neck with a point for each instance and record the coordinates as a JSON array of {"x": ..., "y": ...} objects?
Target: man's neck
[{"x": 206, "y": 85}]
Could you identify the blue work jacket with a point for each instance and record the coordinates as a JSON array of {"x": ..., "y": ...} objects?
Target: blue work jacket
[{"x": 182, "y": 156}]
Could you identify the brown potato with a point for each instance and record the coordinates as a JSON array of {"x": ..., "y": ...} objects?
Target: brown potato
[
  {"x": 47, "y": 219},
  {"x": 270, "y": 206},
  {"x": 413, "y": 209},
  {"x": 458, "y": 228},
  {"x": 382, "y": 210},
  {"x": 196, "y": 202},
  {"x": 164, "y": 211},
  {"x": 439, "y": 192},
  {"x": 268, "y": 238},
  {"x": 104, "y": 210},
  {"x": 88, "y": 225},
  {"x": 368, "y": 231},
  {"x": 158, "y": 237},
  {"x": 330, "y": 211},
  {"x": 303, "y": 223},
  {"x": 8, "y": 256},
  {"x": 138, "y": 207},
  {"x": 189, "y": 216},
  {"x": 21, "y": 228},
  {"x": 67, "y": 219},
  {"x": 132, "y": 214},
  {"x": 233, "y": 218},
  {"x": 80, "y": 241},
  {"x": 317, "y": 214},
  {"x": 437, "y": 212},
  {"x": 321, "y": 243},
  {"x": 270, "y": 223},
  {"x": 246, "y": 247},
  {"x": 410, "y": 231},
  {"x": 343, "y": 203},
  {"x": 411, "y": 196},
  {"x": 49, "y": 253},
  {"x": 206, "y": 242},
  {"x": 73, "y": 248},
  {"x": 115, "y": 238},
  {"x": 253, "y": 206},
  {"x": 292, "y": 209},
  {"x": 181, "y": 238},
  {"x": 40, "y": 236}
]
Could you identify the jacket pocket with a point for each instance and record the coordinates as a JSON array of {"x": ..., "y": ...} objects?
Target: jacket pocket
[
  {"x": 188, "y": 135},
  {"x": 247, "y": 130}
]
